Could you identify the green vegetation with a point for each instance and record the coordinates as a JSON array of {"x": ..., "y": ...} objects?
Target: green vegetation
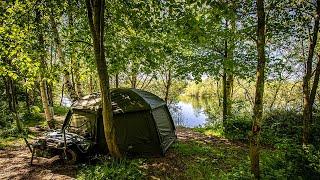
[
  {"x": 113, "y": 169},
  {"x": 252, "y": 67},
  {"x": 60, "y": 110}
]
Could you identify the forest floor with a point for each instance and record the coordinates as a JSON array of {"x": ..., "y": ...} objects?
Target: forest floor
[{"x": 193, "y": 156}]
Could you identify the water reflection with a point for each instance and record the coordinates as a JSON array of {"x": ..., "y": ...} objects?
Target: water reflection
[
  {"x": 195, "y": 112},
  {"x": 66, "y": 101}
]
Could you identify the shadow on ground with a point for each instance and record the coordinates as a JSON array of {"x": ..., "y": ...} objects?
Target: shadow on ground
[{"x": 193, "y": 155}]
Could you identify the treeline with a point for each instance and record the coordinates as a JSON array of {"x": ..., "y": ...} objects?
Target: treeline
[{"x": 279, "y": 94}]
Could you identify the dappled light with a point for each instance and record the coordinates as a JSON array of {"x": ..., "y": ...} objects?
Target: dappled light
[{"x": 159, "y": 89}]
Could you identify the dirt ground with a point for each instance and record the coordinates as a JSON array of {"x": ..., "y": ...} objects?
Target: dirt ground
[
  {"x": 15, "y": 164},
  {"x": 15, "y": 161}
]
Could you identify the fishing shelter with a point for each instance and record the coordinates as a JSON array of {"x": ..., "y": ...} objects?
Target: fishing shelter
[{"x": 142, "y": 120}]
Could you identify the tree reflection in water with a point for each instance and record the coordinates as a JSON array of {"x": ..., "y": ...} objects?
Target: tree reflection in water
[{"x": 195, "y": 112}]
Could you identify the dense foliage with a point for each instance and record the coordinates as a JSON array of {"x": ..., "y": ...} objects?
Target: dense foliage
[{"x": 203, "y": 52}]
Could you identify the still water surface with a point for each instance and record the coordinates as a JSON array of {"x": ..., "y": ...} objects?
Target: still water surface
[{"x": 184, "y": 114}]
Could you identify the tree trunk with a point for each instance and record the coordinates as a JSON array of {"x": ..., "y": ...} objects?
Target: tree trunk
[
  {"x": 32, "y": 96},
  {"x": 28, "y": 101},
  {"x": 117, "y": 80},
  {"x": 133, "y": 80},
  {"x": 275, "y": 96},
  {"x": 95, "y": 10},
  {"x": 12, "y": 100},
  {"x": 258, "y": 103},
  {"x": 218, "y": 93},
  {"x": 8, "y": 92},
  {"x": 91, "y": 85},
  {"x": 168, "y": 85},
  {"x": 227, "y": 78},
  {"x": 148, "y": 83},
  {"x": 307, "y": 101},
  {"x": 50, "y": 94},
  {"x": 45, "y": 102},
  {"x": 230, "y": 76},
  {"x": 43, "y": 86},
  {"x": 62, "y": 94},
  {"x": 225, "y": 98},
  {"x": 315, "y": 85},
  {"x": 78, "y": 85},
  {"x": 68, "y": 84}
]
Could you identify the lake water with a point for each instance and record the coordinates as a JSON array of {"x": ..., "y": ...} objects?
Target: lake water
[
  {"x": 187, "y": 112},
  {"x": 184, "y": 114},
  {"x": 193, "y": 112}
]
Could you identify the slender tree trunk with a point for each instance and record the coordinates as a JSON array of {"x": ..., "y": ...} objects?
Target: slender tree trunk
[
  {"x": 95, "y": 10},
  {"x": 91, "y": 88},
  {"x": 78, "y": 85},
  {"x": 246, "y": 93},
  {"x": 146, "y": 84},
  {"x": 32, "y": 96},
  {"x": 315, "y": 85},
  {"x": 258, "y": 104},
  {"x": 27, "y": 101},
  {"x": 275, "y": 96},
  {"x": 218, "y": 93},
  {"x": 45, "y": 102},
  {"x": 307, "y": 101},
  {"x": 62, "y": 94},
  {"x": 8, "y": 92},
  {"x": 230, "y": 75},
  {"x": 12, "y": 100},
  {"x": 117, "y": 80},
  {"x": 225, "y": 97},
  {"x": 50, "y": 94},
  {"x": 133, "y": 80},
  {"x": 68, "y": 83},
  {"x": 43, "y": 86},
  {"x": 227, "y": 78},
  {"x": 72, "y": 69},
  {"x": 168, "y": 85}
]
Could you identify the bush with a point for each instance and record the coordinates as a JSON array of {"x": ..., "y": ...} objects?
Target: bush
[
  {"x": 304, "y": 161},
  {"x": 290, "y": 161},
  {"x": 238, "y": 127},
  {"x": 60, "y": 110},
  {"x": 240, "y": 171},
  {"x": 283, "y": 126},
  {"x": 13, "y": 131},
  {"x": 112, "y": 169},
  {"x": 279, "y": 126},
  {"x": 27, "y": 118},
  {"x": 34, "y": 115},
  {"x": 315, "y": 132},
  {"x": 6, "y": 118}
]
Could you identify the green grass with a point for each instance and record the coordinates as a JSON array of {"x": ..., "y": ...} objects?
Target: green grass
[
  {"x": 209, "y": 161},
  {"x": 10, "y": 142},
  {"x": 60, "y": 110},
  {"x": 197, "y": 160},
  {"x": 113, "y": 169},
  {"x": 209, "y": 131}
]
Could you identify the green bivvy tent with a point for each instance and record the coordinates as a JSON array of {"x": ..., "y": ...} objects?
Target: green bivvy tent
[{"x": 142, "y": 119}]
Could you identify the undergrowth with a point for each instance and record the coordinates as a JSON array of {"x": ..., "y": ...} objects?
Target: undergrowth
[{"x": 113, "y": 169}]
